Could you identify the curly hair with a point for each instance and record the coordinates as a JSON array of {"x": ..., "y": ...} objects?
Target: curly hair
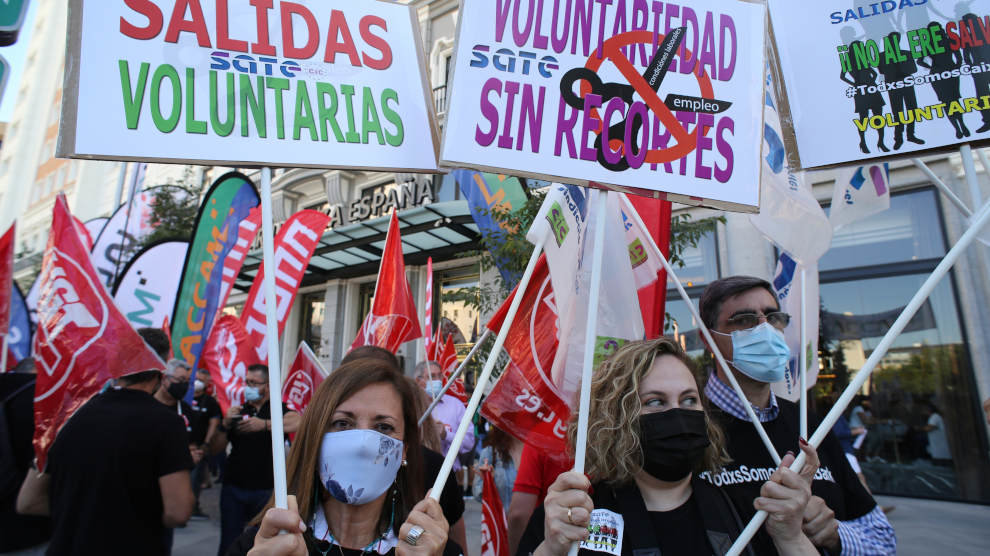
[{"x": 614, "y": 454}]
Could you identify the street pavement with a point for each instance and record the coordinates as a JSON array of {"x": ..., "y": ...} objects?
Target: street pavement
[{"x": 923, "y": 527}]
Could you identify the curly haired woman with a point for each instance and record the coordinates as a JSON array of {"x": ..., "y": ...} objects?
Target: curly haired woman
[{"x": 648, "y": 438}]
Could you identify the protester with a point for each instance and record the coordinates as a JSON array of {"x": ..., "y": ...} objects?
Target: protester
[
  {"x": 448, "y": 412},
  {"x": 500, "y": 454},
  {"x": 349, "y": 479},
  {"x": 372, "y": 352},
  {"x": 118, "y": 471},
  {"x": 175, "y": 382},
  {"x": 17, "y": 532},
  {"x": 206, "y": 420},
  {"x": 746, "y": 324},
  {"x": 536, "y": 472},
  {"x": 249, "y": 475},
  {"x": 644, "y": 454}
]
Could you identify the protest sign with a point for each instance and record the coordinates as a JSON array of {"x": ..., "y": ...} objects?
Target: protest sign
[
  {"x": 533, "y": 81},
  {"x": 305, "y": 83},
  {"x": 883, "y": 78}
]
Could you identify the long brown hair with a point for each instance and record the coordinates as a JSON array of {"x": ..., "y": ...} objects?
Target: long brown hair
[
  {"x": 302, "y": 468},
  {"x": 614, "y": 454}
]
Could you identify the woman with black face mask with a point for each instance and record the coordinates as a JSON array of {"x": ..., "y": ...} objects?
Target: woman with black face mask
[{"x": 650, "y": 444}]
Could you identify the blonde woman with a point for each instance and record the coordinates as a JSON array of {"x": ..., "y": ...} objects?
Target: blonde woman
[
  {"x": 648, "y": 438},
  {"x": 353, "y": 490}
]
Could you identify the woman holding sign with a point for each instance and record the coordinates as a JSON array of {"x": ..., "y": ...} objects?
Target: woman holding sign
[
  {"x": 352, "y": 490},
  {"x": 648, "y": 438}
]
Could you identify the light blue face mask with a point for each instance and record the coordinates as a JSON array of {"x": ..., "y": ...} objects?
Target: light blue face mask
[
  {"x": 433, "y": 387},
  {"x": 251, "y": 394},
  {"x": 761, "y": 353}
]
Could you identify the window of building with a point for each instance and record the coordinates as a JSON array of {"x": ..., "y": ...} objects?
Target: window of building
[
  {"x": 699, "y": 263},
  {"x": 311, "y": 329},
  {"x": 925, "y": 433}
]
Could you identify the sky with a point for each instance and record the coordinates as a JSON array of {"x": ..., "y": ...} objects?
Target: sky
[{"x": 15, "y": 55}]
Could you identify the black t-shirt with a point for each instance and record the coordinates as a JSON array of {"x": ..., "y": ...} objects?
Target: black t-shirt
[
  {"x": 751, "y": 466},
  {"x": 249, "y": 465},
  {"x": 686, "y": 520},
  {"x": 451, "y": 501},
  {"x": 17, "y": 531},
  {"x": 204, "y": 408},
  {"x": 104, "y": 465}
]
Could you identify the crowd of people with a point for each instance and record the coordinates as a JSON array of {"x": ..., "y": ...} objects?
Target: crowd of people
[{"x": 673, "y": 465}]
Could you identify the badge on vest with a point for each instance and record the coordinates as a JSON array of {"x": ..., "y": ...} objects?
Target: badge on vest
[{"x": 605, "y": 532}]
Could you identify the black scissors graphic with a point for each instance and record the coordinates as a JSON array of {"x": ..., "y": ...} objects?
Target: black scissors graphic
[{"x": 653, "y": 75}]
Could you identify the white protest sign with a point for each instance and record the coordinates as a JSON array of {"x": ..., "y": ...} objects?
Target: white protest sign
[
  {"x": 867, "y": 79},
  {"x": 533, "y": 81},
  {"x": 240, "y": 82}
]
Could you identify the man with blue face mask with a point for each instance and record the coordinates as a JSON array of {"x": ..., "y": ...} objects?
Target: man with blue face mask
[
  {"x": 248, "y": 478},
  {"x": 448, "y": 413},
  {"x": 747, "y": 326}
]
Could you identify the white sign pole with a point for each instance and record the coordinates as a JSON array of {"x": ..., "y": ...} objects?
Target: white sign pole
[
  {"x": 803, "y": 356},
  {"x": 486, "y": 374},
  {"x": 599, "y": 202},
  {"x": 3, "y": 357},
  {"x": 881, "y": 350},
  {"x": 949, "y": 194},
  {"x": 672, "y": 276},
  {"x": 271, "y": 320},
  {"x": 454, "y": 375}
]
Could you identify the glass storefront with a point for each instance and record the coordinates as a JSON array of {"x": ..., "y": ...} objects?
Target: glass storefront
[
  {"x": 924, "y": 430},
  {"x": 311, "y": 327}
]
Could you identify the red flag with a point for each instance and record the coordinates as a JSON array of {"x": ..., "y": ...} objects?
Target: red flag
[
  {"x": 303, "y": 378},
  {"x": 428, "y": 310},
  {"x": 525, "y": 402},
  {"x": 448, "y": 362},
  {"x": 82, "y": 339},
  {"x": 494, "y": 530},
  {"x": 294, "y": 246},
  {"x": 167, "y": 329},
  {"x": 6, "y": 278},
  {"x": 227, "y": 355},
  {"x": 84, "y": 234},
  {"x": 393, "y": 319},
  {"x": 655, "y": 214},
  {"x": 246, "y": 231}
]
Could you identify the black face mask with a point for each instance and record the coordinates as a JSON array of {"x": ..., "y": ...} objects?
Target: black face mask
[
  {"x": 673, "y": 442},
  {"x": 178, "y": 390}
]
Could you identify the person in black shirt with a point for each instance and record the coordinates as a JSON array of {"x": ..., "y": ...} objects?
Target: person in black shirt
[
  {"x": 352, "y": 488},
  {"x": 744, "y": 317},
  {"x": 248, "y": 477},
  {"x": 117, "y": 473},
  {"x": 17, "y": 532},
  {"x": 206, "y": 420},
  {"x": 648, "y": 437}
]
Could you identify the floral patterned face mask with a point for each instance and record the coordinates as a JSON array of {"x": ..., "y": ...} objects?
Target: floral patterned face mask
[{"x": 358, "y": 465}]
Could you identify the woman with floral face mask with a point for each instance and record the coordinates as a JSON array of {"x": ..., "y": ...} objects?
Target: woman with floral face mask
[
  {"x": 650, "y": 443},
  {"x": 352, "y": 491}
]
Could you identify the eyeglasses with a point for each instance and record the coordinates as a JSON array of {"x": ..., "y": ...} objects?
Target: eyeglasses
[{"x": 777, "y": 319}]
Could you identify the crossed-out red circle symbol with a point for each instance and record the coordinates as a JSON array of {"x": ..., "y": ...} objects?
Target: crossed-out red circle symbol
[{"x": 684, "y": 142}]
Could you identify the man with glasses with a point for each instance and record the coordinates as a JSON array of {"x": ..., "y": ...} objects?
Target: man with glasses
[
  {"x": 747, "y": 326},
  {"x": 249, "y": 476}
]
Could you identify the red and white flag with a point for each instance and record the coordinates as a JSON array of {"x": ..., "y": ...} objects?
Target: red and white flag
[
  {"x": 82, "y": 339},
  {"x": 494, "y": 529},
  {"x": 227, "y": 355},
  {"x": 303, "y": 378},
  {"x": 393, "y": 319},
  {"x": 232, "y": 264},
  {"x": 651, "y": 278},
  {"x": 448, "y": 362},
  {"x": 428, "y": 310},
  {"x": 525, "y": 402},
  {"x": 83, "y": 232},
  {"x": 294, "y": 246},
  {"x": 6, "y": 278}
]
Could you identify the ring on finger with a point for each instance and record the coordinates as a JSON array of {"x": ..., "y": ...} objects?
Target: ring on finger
[
  {"x": 570, "y": 516},
  {"x": 415, "y": 532}
]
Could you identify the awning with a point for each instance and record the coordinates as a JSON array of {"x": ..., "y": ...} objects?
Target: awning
[{"x": 438, "y": 230}]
